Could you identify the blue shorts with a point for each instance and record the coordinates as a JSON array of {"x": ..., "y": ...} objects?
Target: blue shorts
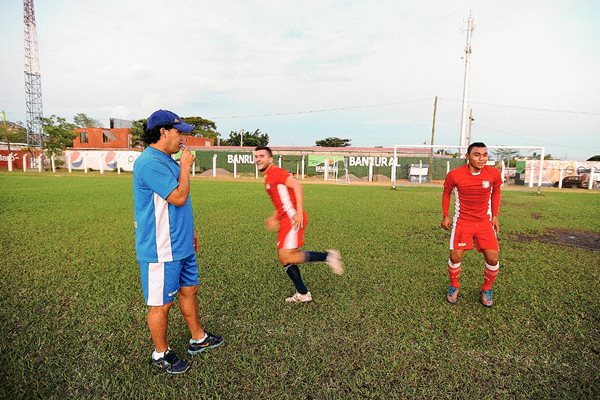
[{"x": 161, "y": 280}]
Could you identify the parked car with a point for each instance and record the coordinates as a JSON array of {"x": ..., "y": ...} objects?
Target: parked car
[{"x": 575, "y": 181}]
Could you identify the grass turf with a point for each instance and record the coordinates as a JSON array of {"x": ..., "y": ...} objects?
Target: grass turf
[{"x": 72, "y": 318}]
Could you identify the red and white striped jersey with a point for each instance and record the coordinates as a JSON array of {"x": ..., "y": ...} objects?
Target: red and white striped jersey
[
  {"x": 283, "y": 198},
  {"x": 477, "y": 196}
]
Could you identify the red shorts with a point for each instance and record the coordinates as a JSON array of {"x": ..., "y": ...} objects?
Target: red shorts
[
  {"x": 481, "y": 233},
  {"x": 288, "y": 237}
]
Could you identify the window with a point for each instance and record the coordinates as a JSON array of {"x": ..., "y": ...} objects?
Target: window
[
  {"x": 105, "y": 138},
  {"x": 83, "y": 137}
]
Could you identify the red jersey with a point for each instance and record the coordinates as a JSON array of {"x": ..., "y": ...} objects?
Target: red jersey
[
  {"x": 477, "y": 196},
  {"x": 283, "y": 198}
]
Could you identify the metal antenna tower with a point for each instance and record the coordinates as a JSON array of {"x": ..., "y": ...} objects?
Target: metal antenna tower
[
  {"x": 33, "y": 79},
  {"x": 465, "y": 105}
]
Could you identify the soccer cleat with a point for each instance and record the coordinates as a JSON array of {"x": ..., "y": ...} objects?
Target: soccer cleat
[
  {"x": 299, "y": 298},
  {"x": 452, "y": 295},
  {"x": 334, "y": 260},
  {"x": 171, "y": 364},
  {"x": 486, "y": 298},
  {"x": 210, "y": 342}
]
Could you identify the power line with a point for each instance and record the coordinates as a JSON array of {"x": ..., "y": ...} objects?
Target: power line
[
  {"x": 529, "y": 139},
  {"x": 530, "y": 108},
  {"x": 322, "y": 110}
]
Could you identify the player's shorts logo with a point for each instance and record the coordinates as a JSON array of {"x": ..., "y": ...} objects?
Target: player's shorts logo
[
  {"x": 485, "y": 184},
  {"x": 173, "y": 293},
  {"x": 462, "y": 244}
]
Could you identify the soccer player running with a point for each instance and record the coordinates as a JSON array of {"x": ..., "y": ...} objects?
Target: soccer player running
[
  {"x": 476, "y": 189},
  {"x": 165, "y": 237},
  {"x": 286, "y": 194}
]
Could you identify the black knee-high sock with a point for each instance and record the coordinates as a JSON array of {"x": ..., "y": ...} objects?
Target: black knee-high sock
[
  {"x": 294, "y": 273},
  {"x": 311, "y": 256}
]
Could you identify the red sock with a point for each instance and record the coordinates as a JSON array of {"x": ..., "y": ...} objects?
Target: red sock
[
  {"x": 454, "y": 273},
  {"x": 489, "y": 275}
]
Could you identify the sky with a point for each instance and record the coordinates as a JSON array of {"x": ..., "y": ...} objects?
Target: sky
[{"x": 306, "y": 70}]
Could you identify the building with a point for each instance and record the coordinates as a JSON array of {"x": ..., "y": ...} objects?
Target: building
[{"x": 120, "y": 138}]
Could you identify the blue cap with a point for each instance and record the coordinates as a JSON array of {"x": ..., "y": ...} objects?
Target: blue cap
[{"x": 164, "y": 117}]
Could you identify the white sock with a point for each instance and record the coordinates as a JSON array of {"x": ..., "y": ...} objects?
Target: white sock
[
  {"x": 199, "y": 340},
  {"x": 156, "y": 355}
]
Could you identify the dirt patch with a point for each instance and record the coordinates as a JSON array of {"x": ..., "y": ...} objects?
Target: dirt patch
[
  {"x": 566, "y": 237},
  {"x": 536, "y": 215}
]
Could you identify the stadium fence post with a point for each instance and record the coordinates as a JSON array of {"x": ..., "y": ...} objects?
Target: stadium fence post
[
  {"x": 560, "y": 178},
  {"x": 85, "y": 168},
  {"x": 531, "y": 171},
  {"x": 101, "y": 162},
  {"x": 591, "y": 178},
  {"x": 10, "y": 162},
  {"x": 53, "y": 164},
  {"x": 40, "y": 162},
  {"x": 24, "y": 162},
  {"x": 214, "y": 171},
  {"x": 69, "y": 166},
  {"x": 371, "y": 159},
  {"x": 234, "y": 168},
  {"x": 302, "y": 167}
]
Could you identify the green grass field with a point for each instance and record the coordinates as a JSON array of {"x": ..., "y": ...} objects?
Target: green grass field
[{"x": 72, "y": 317}]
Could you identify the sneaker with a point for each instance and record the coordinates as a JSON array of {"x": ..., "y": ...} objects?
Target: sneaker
[
  {"x": 334, "y": 260},
  {"x": 486, "y": 298},
  {"x": 452, "y": 295},
  {"x": 299, "y": 298},
  {"x": 171, "y": 364},
  {"x": 210, "y": 342}
]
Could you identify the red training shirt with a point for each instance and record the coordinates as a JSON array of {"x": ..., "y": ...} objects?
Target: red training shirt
[
  {"x": 283, "y": 198},
  {"x": 477, "y": 197}
]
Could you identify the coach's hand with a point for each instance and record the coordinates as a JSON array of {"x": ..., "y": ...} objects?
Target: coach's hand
[
  {"x": 187, "y": 159},
  {"x": 446, "y": 222},
  {"x": 495, "y": 224},
  {"x": 272, "y": 223},
  {"x": 195, "y": 241}
]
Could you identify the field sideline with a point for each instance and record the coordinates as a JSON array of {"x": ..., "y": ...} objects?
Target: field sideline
[{"x": 72, "y": 318}]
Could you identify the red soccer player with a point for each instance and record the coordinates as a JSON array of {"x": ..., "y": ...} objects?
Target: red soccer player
[
  {"x": 286, "y": 194},
  {"x": 476, "y": 189}
]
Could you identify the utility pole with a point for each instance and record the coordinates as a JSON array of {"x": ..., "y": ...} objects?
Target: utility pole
[
  {"x": 471, "y": 119},
  {"x": 430, "y": 169},
  {"x": 33, "y": 78},
  {"x": 465, "y": 102},
  {"x": 6, "y": 131}
]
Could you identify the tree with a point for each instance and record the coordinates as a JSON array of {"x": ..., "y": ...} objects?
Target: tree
[
  {"x": 507, "y": 155},
  {"x": 248, "y": 138},
  {"x": 59, "y": 135},
  {"x": 136, "y": 130},
  {"x": 537, "y": 156},
  {"x": 83, "y": 121},
  {"x": 202, "y": 127},
  {"x": 333, "y": 142},
  {"x": 11, "y": 132}
]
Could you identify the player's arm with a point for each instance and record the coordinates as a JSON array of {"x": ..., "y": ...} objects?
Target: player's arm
[
  {"x": 180, "y": 194},
  {"x": 446, "y": 194},
  {"x": 496, "y": 203},
  {"x": 272, "y": 222},
  {"x": 298, "y": 218}
]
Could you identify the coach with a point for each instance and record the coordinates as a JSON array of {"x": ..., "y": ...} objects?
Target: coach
[{"x": 165, "y": 237}]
